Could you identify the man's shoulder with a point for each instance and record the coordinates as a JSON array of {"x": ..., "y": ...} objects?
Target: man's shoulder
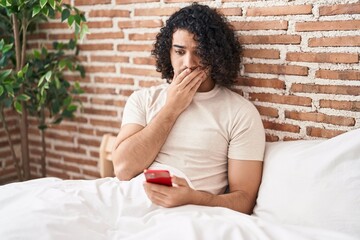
[
  {"x": 236, "y": 101},
  {"x": 233, "y": 94},
  {"x": 151, "y": 91}
]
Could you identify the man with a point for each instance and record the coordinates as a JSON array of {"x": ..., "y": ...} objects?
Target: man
[{"x": 194, "y": 123}]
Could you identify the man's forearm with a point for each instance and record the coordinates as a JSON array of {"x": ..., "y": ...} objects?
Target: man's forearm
[
  {"x": 238, "y": 201},
  {"x": 138, "y": 151}
]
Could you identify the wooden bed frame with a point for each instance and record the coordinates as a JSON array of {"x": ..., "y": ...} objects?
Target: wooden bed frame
[{"x": 105, "y": 162}]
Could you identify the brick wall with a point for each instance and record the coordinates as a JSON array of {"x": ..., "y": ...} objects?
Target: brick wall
[
  {"x": 7, "y": 169},
  {"x": 300, "y": 68}
]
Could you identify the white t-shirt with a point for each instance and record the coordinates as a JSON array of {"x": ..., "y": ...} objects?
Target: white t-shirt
[{"x": 217, "y": 125}]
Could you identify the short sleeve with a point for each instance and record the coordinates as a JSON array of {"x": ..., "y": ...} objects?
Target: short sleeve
[
  {"x": 247, "y": 140},
  {"x": 134, "y": 110}
]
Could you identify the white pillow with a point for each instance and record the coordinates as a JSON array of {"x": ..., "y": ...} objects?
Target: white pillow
[{"x": 313, "y": 183}]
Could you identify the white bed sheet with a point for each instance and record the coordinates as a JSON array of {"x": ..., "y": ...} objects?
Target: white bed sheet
[{"x": 51, "y": 208}]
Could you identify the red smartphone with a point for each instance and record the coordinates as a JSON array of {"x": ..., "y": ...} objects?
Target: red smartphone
[{"x": 158, "y": 176}]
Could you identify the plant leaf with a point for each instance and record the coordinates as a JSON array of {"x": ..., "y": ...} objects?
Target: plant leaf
[
  {"x": 43, "y": 3},
  {"x": 48, "y": 75},
  {"x": 7, "y": 47},
  {"x": 52, "y": 4},
  {"x": 41, "y": 81},
  {"x": 84, "y": 31},
  {"x": 37, "y": 54},
  {"x": 71, "y": 20},
  {"x": 36, "y": 10},
  {"x": 23, "y": 97},
  {"x": 5, "y": 74},
  {"x": 18, "y": 107},
  {"x": 1, "y": 90},
  {"x": 10, "y": 90},
  {"x": 65, "y": 14}
]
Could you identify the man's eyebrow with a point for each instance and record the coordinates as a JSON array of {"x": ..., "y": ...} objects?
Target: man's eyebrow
[{"x": 178, "y": 46}]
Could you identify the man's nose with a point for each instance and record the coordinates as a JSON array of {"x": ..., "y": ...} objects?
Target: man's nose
[{"x": 191, "y": 61}]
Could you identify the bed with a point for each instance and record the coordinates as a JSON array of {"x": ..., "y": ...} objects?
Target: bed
[{"x": 310, "y": 190}]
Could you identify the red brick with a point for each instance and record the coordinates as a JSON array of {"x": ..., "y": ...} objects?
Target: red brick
[
  {"x": 327, "y": 89},
  {"x": 327, "y": 25},
  {"x": 322, "y": 57},
  {"x": 80, "y": 161},
  {"x": 89, "y": 142},
  {"x": 103, "y": 58},
  {"x": 64, "y": 127},
  {"x": 270, "y": 39},
  {"x": 281, "y": 127},
  {"x": 260, "y": 25},
  {"x": 145, "y": 61},
  {"x": 109, "y": 13},
  {"x": 261, "y": 53},
  {"x": 98, "y": 90},
  {"x": 106, "y": 35},
  {"x": 57, "y": 136},
  {"x": 140, "y": 24},
  {"x": 117, "y": 80},
  {"x": 97, "y": 69},
  {"x": 104, "y": 123},
  {"x": 320, "y": 117},
  {"x": 280, "y": 10},
  {"x": 276, "y": 69},
  {"x": 155, "y": 11},
  {"x": 282, "y": 99},
  {"x": 340, "y": 9},
  {"x": 261, "y": 82},
  {"x": 348, "y": 41},
  {"x": 63, "y": 166},
  {"x": 56, "y": 173},
  {"x": 96, "y": 47},
  {"x": 91, "y": 2},
  {"x": 53, "y": 25},
  {"x": 134, "y": 47},
  {"x": 322, "y": 133},
  {"x": 338, "y": 75},
  {"x": 121, "y": 2},
  {"x": 271, "y": 138},
  {"x": 100, "y": 24},
  {"x": 140, "y": 72},
  {"x": 64, "y": 36},
  {"x": 36, "y": 36},
  {"x": 230, "y": 11},
  {"x": 77, "y": 150},
  {"x": 90, "y": 173},
  {"x": 268, "y": 111},
  {"x": 142, "y": 36},
  {"x": 86, "y": 131},
  {"x": 341, "y": 105},
  {"x": 101, "y": 112}
]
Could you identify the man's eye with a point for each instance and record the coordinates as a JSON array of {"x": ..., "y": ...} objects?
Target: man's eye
[{"x": 179, "y": 52}]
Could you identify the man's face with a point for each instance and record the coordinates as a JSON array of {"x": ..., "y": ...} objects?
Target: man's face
[
  {"x": 184, "y": 55},
  {"x": 183, "y": 52}
]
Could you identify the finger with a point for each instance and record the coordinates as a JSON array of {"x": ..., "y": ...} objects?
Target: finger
[
  {"x": 158, "y": 188},
  {"x": 189, "y": 80},
  {"x": 179, "y": 78},
  {"x": 196, "y": 86},
  {"x": 179, "y": 181}
]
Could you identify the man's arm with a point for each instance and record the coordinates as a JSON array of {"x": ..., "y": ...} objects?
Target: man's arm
[
  {"x": 136, "y": 146},
  {"x": 244, "y": 181}
]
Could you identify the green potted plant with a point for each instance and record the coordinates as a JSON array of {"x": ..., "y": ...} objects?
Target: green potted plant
[{"x": 32, "y": 82}]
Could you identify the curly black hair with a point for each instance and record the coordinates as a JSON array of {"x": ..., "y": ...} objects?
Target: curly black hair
[{"x": 218, "y": 46}]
